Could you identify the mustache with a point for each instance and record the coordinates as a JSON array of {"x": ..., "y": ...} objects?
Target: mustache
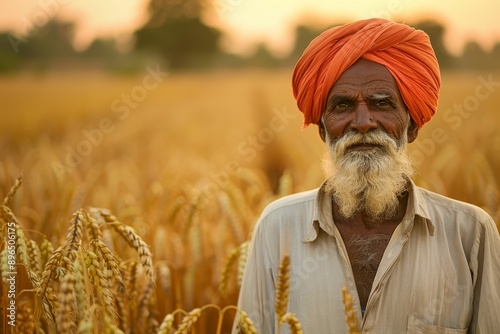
[{"x": 375, "y": 138}]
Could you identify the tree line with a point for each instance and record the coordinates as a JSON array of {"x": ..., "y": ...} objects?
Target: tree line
[{"x": 176, "y": 35}]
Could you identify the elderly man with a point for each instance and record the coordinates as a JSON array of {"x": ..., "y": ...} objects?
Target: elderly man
[{"x": 413, "y": 261}]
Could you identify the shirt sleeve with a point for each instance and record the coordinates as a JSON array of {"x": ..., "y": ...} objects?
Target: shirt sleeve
[
  {"x": 257, "y": 291},
  {"x": 485, "y": 267}
]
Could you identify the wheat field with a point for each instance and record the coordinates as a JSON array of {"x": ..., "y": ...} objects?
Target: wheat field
[{"x": 139, "y": 193}]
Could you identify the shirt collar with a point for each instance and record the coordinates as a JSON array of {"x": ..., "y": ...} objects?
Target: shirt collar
[{"x": 322, "y": 217}]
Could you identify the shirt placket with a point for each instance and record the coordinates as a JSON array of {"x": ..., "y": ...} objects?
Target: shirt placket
[
  {"x": 391, "y": 256},
  {"x": 351, "y": 284}
]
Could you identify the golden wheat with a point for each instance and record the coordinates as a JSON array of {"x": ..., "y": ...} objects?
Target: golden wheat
[
  {"x": 101, "y": 284},
  {"x": 166, "y": 324},
  {"x": 34, "y": 256},
  {"x": 293, "y": 322},
  {"x": 65, "y": 316},
  {"x": 193, "y": 217},
  {"x": 231, "y": 260},
  {"x": 188, "y": 321},
  {"x": 282, "y": 288},
  {"x": 245, "y": 324},
  {"x": 107, "y": 257},
  {"x": 350, "y": 315},
  {"x": 135, "y": 241},
  {"x": 46, "y": 250}
]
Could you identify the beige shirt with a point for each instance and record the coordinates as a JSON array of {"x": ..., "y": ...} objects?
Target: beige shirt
[{"x": 440, "y": 272}]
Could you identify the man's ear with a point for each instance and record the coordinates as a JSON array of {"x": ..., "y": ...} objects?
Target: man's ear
[
  {"x": 412, "y": 131},
  {"x": 322, "y": 131}
]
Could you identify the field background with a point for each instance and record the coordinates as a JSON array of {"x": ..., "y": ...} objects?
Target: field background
[{"x": 175, "y": 171}]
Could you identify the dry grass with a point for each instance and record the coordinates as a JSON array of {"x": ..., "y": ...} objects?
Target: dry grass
[{"x": 184, "y": 177}]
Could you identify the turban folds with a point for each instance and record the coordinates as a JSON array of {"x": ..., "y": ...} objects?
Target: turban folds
[{"x": 407, "y": 54}]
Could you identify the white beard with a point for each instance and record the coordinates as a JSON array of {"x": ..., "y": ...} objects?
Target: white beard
[{"x": 367, "y": 180}]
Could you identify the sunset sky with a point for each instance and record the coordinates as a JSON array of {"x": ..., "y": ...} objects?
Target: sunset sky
[{"x": 247, "y": 21}]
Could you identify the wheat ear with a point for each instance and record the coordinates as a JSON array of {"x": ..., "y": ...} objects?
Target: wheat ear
[
  {"x": 282, "y": 288},
  {"x": 65, "y": 315},
  {"x": 8, "y": 199},
  {"x": 231, "y": 260},
  {"x": 188, "y": 321},
  {"x": 74, "y": 236},
  {"x": 100, "y": 248},
  {"x": 245, "y": 324},
  {"x": 166, "y": 324},
  {"x": 293, "y": 322},
  {"x": 134, "y": 240},
  {"x": 101, "y": 283},
  {"x": 242, "y": 261},
  {"x": 350, "y": 316},
  {"x": 35, "y": 256},
  {"x": 46, "y": 249}
]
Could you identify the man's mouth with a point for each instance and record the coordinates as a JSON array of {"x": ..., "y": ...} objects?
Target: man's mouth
[{"x": 364, "y": 146}]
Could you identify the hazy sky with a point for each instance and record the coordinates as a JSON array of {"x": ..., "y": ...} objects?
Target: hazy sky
[{"x": 246, "y": 21}]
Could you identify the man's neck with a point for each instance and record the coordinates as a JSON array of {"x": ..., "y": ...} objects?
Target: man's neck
[{"x": 362, "y": 221}]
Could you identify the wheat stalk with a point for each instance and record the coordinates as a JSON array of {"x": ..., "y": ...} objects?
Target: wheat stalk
[
  {"x": 8, "y": 216},
  {"x": 134, "y": 240},
  {"x": 231, "y": 260},
  {"x": 166, "y": 324},
  {"x": 231, "y": 215},
  {"x": 93, "y": 225},
  {"x": 46, "y": 249},
  {"x": 293, "y": 322},
  {"x": 350, "y": 315},
  {"x": 74, "y": 236},
  {"x": 48, "y": 299},
  {"x": 105, "y": 255},
  {"x": 34, "y": 256},
  {"x": 65, "y": 315},
  {"x": 146, "y": 314},
  {"x": 50, "y": 270},
  {"x": 188, "y": 321},
  {"x": 131, "y": 274},
  {"x": 80, "y": 293},
  {"x": 101, "y": 283},
  {"x": 245, "y": 324},
  {"x": 164, "y": 276},
  {"x": 282, "y": 288},
  {"x": 242, "y": 261},
  {"x": 12, "y": 192}
]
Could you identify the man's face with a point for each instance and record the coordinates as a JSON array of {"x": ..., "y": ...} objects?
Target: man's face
[
  {"x": 366, "y": 98},
  {"x": 366, "y": 129}
]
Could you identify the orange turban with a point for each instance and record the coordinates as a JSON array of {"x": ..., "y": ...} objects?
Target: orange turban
[{"x": 407, "y": 54}]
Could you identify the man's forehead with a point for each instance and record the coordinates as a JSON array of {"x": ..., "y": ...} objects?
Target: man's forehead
[{"x": 368, "y": 77}]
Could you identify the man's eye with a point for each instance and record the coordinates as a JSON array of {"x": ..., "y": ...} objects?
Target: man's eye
[
  {"x": 342, "y": 105},
  {"x": 383, "y": 103}
]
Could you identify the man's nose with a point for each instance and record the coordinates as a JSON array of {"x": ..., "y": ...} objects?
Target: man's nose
[{"x": 363, "y": 120}]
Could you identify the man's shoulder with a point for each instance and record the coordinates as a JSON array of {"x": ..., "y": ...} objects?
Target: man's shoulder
[
  {"x": 290, "y": 215},
  {"x": 437, "y": 203},
  {"x": 291, "y": 203}
]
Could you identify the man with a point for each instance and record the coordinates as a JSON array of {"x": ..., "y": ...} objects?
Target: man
[{"x": 413, "y": 261}]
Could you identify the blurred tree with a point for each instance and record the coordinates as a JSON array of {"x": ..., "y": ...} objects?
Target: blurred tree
[
  {"x": 262, "y": 57},
  {"x": 101, "y": 48},
  {"x": 53, "y": 40},
  {"x": 436, "y": 30},
  {"x": 8, "y": 60},
  {"x": 495, "y": 55},
  {"x": 176, "y": 31},
  {"x": 474, "y": 57}
]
